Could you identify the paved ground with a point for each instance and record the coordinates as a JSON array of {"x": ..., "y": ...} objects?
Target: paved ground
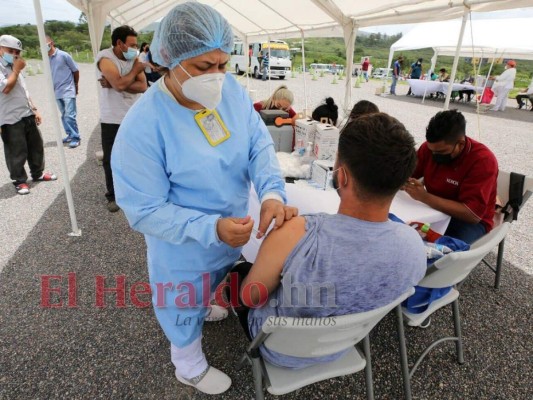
[{"x": 87, "y": 352}]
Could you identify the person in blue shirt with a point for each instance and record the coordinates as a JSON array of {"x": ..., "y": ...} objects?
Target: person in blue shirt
[
  {"x": 396, "y": 72},
  {"x": 183, "y": 174},
  {"x": 65, "y": 74}
]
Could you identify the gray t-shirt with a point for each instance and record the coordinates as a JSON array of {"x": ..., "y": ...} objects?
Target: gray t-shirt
[
  {"x": 15, "y": 105},
  {"x": 341, "y": 266}
]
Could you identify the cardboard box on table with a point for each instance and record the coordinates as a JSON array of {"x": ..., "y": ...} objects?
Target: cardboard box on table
[
  {"x": 322, "y": 174},
  {"x": 304, "y": 131},
  {"x": 326, "y": 142}
]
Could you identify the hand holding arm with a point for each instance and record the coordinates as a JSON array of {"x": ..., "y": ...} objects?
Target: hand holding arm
[{"x": 274, "y": 209}]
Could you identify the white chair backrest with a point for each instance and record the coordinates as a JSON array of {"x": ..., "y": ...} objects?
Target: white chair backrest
[
  {"x": 316, "y": 337},
  {"x": 454, "y": 267}
]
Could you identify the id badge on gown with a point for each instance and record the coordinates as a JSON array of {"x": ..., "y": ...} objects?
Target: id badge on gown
[{"x": 212, "y": 126}]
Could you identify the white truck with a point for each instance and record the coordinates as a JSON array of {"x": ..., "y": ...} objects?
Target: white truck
[{"x": 243, "y": 60}]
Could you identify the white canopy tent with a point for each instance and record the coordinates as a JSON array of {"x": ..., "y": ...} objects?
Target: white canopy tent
[
  {"x": 482, "y": 38},
  {"x": 261, "y": 19}
]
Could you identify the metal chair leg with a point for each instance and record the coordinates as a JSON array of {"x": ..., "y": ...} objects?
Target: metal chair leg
[
  {"x": 258, "y": 378},
  {"x": 457, "y": 326},
  {"x": 368, "y": 369},
  {"x": 403, "y": 354},
  {"x": 499, "y": 263}
]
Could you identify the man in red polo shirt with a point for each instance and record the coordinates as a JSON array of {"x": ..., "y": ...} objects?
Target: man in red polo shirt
[{"x": 459, "y": 176}]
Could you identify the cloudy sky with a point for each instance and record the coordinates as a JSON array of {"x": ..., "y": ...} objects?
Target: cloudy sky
[{"x": 21, "y": 12}]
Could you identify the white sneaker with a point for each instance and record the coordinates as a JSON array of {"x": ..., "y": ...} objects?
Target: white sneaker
[
  {"x": 211, "y": 381},
  {"x": 216, "y": 313}
]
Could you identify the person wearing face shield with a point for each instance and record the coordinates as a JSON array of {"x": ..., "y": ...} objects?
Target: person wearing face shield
[
  {"x": 183, "y": 174},
  {"x": 122, "y": 80},
  {"x": 19, "y": 119},
  {"x": 459, "y": 177}
]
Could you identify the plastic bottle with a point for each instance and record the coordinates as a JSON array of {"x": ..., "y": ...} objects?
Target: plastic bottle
[
  {"x": 434, "y": 250},
  {"x": 429, "y": 234},
  {"x": 308, "y": 156}
]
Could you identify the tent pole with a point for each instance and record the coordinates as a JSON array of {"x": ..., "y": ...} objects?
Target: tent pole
[
  {"x": 389, "y": 66},
  {"x": 456, "y": 58},
  {"x": 430, "y": 71},
  {"x": 59, "y": 128},
  {"x": 350, "y": 34},
  {"x": 269, "y": 63},
  {"x": 304, "y": 71}
]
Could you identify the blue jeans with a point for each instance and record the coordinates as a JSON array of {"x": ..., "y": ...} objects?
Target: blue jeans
[
  {"x": 393, "y": 85},
  {"x": 465, "y": 231},
  {"x": 67, "y": 107},
  {"x": 265, "y": 74}
]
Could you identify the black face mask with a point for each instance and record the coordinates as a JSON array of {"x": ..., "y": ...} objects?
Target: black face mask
[{"x": 444, "y": 158}]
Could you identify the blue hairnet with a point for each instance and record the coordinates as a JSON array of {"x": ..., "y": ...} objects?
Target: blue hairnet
[{"x": 189, "y": 30}]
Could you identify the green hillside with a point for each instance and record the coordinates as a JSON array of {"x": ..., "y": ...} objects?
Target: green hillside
[{"x": 377, "y": 47}]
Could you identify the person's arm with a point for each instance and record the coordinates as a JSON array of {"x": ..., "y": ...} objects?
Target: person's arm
[
  {"x": 76, "y": 76},
  {"x": 11, "y": 80},
  {"x": 453, "y": 208},
  {"x": 38, "y": 117},
  {"x": 141, "y": 189},
  {"x": 474, "y": 193},
  {"x": 118, "y": 82},
  {"x": 140, "y": 84},
  {"x": 268, "y": 265}
]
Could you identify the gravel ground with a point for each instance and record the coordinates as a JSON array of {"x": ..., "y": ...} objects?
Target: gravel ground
[{"x": 88, "y": 352}]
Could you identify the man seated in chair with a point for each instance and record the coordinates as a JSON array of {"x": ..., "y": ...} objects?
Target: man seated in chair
[
  {"x": 459, "y": 175},
  {"x": 525, "y": 94},
  {"x": 357, "y": 260}
]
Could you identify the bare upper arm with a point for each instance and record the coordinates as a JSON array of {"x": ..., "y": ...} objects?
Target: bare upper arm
[
  {"x": 110, "y": 72},
  {"x": 266, "y": 271}
]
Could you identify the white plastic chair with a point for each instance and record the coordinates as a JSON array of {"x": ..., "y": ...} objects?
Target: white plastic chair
[
  {"x": 313, "y": 337},
  {"x": 504, "y": 179},
  {"x": 450, "y": 270}
]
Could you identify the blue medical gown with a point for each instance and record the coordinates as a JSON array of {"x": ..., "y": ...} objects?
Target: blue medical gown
[{"x": 173, "y": 186}]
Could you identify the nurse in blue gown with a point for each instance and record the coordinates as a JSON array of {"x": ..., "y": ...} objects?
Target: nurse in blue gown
[{"x": 182, "y": 177}]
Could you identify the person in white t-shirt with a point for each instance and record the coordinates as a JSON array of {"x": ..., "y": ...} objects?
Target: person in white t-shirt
[
  {"x": 503, "y": 85},
  {"x": 122, "y": 79}
]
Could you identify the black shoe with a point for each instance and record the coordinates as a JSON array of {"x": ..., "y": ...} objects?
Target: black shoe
[
  {"x": 112, "y": 206},
  {"x": 520, "y": 105}
]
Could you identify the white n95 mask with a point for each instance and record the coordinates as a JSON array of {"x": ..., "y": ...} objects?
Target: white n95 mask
[{"x": 204, "y": 89}]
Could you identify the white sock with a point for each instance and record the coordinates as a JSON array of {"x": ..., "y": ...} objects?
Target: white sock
[{"x": 190, "y": 360}]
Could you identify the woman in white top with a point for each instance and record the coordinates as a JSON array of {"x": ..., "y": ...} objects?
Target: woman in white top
[{"x": 503, "y": 85}]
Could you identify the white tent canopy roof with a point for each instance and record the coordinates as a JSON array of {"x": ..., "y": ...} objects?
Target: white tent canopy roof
[
  {"x": 482, "y": 38},
  {"x": 255, "y": 19}
]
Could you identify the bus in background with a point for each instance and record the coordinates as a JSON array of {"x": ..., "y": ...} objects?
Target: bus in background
[{"x": 280, "y": 59}]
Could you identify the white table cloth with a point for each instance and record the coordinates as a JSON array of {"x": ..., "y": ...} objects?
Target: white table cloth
[
  {"x": 418, "y": 86},
  {"x": 310, "y": 200}
]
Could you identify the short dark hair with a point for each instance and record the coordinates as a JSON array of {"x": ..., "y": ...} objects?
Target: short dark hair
[
  {"x": 328, "y": 110},
  {"x": 121, "y": 33},
  {"x": 448, "y": 126},
  {"x": 363, "y": 107},
  {"x": 379, "y": 153},
  {"x": 442, "y": 70}
]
